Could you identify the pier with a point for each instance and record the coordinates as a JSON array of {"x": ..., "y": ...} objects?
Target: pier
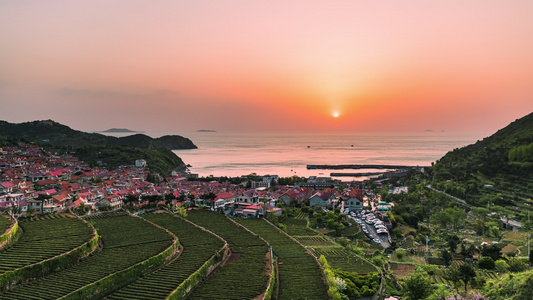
[{"x": 358, "y": 167}]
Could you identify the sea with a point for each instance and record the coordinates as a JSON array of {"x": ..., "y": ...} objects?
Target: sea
[{"x": 287, "y": 154}]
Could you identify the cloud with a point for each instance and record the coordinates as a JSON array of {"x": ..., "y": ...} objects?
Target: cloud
[
  {"x": 111, "y": 94},
  {"x": 70, "y": 92}
]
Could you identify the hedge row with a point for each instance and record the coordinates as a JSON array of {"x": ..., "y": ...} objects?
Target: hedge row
[
  {"x": 272, "y": 282},
  {"x": 7, "y": 238}
]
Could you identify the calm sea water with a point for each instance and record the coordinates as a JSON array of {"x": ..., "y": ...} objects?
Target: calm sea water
[{"x": 288, "y": 154}]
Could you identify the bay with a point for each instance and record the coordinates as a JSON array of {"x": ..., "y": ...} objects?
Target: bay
[{"x": 288, "y": 153}]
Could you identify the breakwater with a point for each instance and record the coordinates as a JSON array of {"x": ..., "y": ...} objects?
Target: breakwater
[{"x": 357, "y": 167}]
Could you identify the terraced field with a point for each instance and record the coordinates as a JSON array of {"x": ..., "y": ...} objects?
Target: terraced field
[
  {"x": 299, "y": 274},
  {"x": 439, "y": 277},
  {"x": 298, "y": 227},
  {"x": 344, "y": 260},
  {"x": 126, "y": 240},
  {"x": 314, "y": 241},
  {"x": 198, "y": 247},
  {"x": 44, "y": 238},
  {"x": 245, "y": 275}
]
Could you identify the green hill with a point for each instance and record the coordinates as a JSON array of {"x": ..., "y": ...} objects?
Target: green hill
[
  {"x": 58, "y": 134},
  {"x": 99, "y": 149},
  {"x": 497, "y": 169}
]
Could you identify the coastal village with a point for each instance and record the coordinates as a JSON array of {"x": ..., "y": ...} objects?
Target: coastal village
[
  {"x": 32, "y": 180},
  {"x": 384, "y": 233}
]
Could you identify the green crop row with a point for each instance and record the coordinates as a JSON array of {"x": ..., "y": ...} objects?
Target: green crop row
[
  {"x": 44, "y": 239},
  {"x": 345, "y": 260},
  {"x": 199, "y": 246},
  {"x": 299, "y": 273},
  {"x": 123, "y": 258},
  {"x": 298, "y": 227},
  {"x": 244, "y": 276},
  {"x": 314, "y": 241}
]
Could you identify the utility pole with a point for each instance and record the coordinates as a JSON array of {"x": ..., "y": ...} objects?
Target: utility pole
[{"x": 427, "y": 248}]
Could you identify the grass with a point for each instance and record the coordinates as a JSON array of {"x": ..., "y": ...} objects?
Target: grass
[
  {"x": 516, "y": 237},
  {"x": 401, "y": 270}
]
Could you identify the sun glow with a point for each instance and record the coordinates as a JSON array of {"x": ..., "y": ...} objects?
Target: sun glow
[{"x": 335, "y": 114}]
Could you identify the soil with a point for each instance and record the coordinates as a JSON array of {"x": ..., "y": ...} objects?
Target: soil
[{"x": 234, "y": 257}]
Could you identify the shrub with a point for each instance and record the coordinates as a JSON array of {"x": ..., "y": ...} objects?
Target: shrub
[
  {"x": 517, "y": 265},
  {"x": 486, "y": 262},
  {"x": 344, "y": 242},
  {"x": 400, "y": 254}
]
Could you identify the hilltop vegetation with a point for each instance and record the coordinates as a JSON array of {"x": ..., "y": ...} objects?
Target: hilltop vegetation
[
  {"x": 95, "y": 148},
  {"x": 495, "y": 170},
  {"x": 58, "y": 134}
]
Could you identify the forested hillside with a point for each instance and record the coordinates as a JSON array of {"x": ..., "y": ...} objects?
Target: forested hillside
[{"x": 497, "y": 169}]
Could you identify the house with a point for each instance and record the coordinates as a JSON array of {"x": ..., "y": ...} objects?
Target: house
[
  {"x": 272, "y": 210},
  {"x": 250, "y": 211},
  {"x": 140, "y": 163},
  {"x": 354, "y": 199},
  {"x": 249, "y": 196},
  {"x": 299, "y": 195},
  {"x": 224, "y": 199},
  {"x": 6, "y": 187},
  {"x": 114, "y": 201},
  {"x": 323, "y": 198}
]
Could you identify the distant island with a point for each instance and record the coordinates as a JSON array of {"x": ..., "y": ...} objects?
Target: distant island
[
  {"x": 206, "y": 130},
  {"x": 121, "y": 130}
]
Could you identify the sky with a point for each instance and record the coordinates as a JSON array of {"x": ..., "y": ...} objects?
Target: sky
[{"x": 454, "y": 65}]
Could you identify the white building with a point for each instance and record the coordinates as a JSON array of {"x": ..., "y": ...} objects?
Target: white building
[{"x": 140, "y": 163}]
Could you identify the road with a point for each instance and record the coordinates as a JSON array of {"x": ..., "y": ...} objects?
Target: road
[
  {"x": 372, "y": 232},
  {"x": 460, "y": 201}
]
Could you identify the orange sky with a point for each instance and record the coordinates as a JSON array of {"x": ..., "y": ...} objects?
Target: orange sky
[{"x": 267, "y": 65}]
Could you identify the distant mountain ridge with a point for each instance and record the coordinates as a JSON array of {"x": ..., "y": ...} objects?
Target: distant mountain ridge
[{"x": 58, "y": 134}]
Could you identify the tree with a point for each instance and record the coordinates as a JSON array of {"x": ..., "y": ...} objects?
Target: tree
[
  {"x": 417, "y": 286},
  {"x": 486, "y": 262},
  {"x": 468, "y": 272},
  {"x": 453, "y": 241},
  {"x": 182, "y": 211},
  {"x": 82, "y": 209},
  {"x": 447, "y": 257},
  {"x": 454, "y": 276},
  {"x": 43, "y": 198},
  {"x": 517, "y": 265},
  {"x": 130, "y": 199},
  {"x": 493, "y": 251},
  {"x": 457, "y": 216},
  {"x": 501, "y": 265},
  {"x": 467, "y": 250}
]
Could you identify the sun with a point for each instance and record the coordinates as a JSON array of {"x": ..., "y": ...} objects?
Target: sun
[{"x": 335, "y": 114}]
